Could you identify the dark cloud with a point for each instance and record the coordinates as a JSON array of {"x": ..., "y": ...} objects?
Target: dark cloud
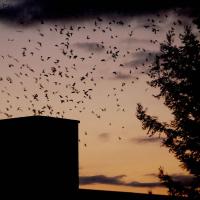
[
  {"x": 104, "y": 136},
  {"x": 90, "y": 46},
  {"x": 54, "y": 9},
  {"x": 10, "y": 3},
  {"x": 141, "y": 57},
  {"x": 135, "y": 62},
  {"x": 149, "y": 184},
  {"x": 186, "y": 179},
  {"x": 21, "y": 11},
  {"x": 123, "y": 76},
  {"x": 135, "y": 41},
  {"x": 115, "y": 180},
  {"x": 142, "y": 140}
]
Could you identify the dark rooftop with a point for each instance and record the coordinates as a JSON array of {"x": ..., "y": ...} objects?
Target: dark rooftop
[{"x": 38, "y": 117}]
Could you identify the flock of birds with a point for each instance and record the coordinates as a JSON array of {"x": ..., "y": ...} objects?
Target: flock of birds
[{"x": 59, "y": 84}]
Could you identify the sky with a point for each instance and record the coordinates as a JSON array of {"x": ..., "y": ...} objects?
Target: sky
[{"x": 91, "y": 67}]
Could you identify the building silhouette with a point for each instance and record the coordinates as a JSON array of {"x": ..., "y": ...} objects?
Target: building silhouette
[{"x": 39, "y": 159}]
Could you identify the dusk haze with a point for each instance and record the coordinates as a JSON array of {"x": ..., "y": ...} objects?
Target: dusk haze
[{"x": 102, "y": 70}]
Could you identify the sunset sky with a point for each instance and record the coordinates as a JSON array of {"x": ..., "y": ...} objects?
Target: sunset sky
[{"x": 92, "y": 69}]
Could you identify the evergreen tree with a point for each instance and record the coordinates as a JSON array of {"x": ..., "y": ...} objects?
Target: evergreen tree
[{"x": 176, "y": 72}]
